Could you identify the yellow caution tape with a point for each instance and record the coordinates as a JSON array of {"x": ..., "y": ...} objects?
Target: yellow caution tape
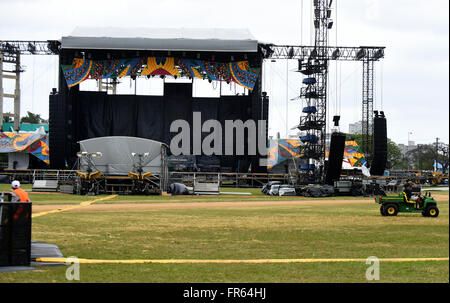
[
  {"x": 82, "y": 204},
  {"x": 256, "y": 261}
]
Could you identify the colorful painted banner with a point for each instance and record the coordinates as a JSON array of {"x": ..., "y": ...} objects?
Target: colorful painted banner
[
  {"x": 282, "y": 150},
  {"x": 34, "y": 143},
  {"x": 157, "y": 66},
  {"x": 83, "y": 69},
  {"x": 353, "y": 155}
]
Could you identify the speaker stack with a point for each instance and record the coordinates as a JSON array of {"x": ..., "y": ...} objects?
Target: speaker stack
[
  {"x": 379, "y": 145},
  {"x": 335, "y": 158},
  {"x": 15, "y": 233},
  {"x": 57, "y": 130}
]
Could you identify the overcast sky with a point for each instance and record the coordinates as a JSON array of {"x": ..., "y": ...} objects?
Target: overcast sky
[{"x": 411, "y": 82}]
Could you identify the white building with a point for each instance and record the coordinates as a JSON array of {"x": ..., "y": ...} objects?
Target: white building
[
  {"x": 355, "y": 128},
  {"x": 406, "y": 148}
]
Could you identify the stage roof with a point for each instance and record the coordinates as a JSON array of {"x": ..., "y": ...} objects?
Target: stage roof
[{"x": 161, "y": 39}]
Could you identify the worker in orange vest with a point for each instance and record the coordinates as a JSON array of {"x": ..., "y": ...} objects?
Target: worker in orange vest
[{"x": 23, "y": 195}]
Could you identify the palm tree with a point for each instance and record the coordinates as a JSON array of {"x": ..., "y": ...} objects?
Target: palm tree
[{"x": 33, "y": 119}]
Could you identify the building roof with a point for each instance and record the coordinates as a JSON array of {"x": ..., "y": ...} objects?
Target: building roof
[{"x": 161, "y": 39}]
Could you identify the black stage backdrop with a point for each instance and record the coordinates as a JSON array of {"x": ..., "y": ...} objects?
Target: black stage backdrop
[{"x": 96, "y": 114}]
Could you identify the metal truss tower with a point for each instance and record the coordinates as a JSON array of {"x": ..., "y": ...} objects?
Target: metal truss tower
[
  {"x": 367, "y": 107},
  {"x": 314, "y": 94},
  {"x": 13, "y": 74},
  {"x": 10, "y": 52}
]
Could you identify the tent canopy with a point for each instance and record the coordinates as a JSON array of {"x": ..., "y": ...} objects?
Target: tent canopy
[{"x": 161, "y": 39}]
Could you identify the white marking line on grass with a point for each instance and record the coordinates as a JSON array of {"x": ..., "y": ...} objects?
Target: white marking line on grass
[
  {"x": 257, "y": 261},
  {"x": 82, "y": 204}
]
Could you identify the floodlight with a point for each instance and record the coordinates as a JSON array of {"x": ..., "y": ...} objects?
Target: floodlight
[
  {"x": 81, "y": 154},
  {"x": 379, "y": 54},
  {"x": 97, "y": 155},
  {"x": 361, "y": 53},
  {"x": 317, "y": 13},
  {"x": 291, "y": 53},
  {"x": 330, "y": 24},
  {"x": 146, "y": 154},
  {"x": 31, "y": 48},
  {"x": 316, "y": 23},
  {"x": 133, "y": 154},
  {"x": 336, "y": 54}
]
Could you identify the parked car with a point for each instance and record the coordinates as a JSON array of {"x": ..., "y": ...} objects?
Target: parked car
[
  {"x": 266, "y": 188},
  {"x": 274, "y": 190}
]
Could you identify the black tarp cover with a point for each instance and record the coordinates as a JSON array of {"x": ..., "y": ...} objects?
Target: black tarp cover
[{"x": 150, "y": 117}]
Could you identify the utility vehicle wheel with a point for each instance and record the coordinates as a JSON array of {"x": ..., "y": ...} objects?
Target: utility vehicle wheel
[
  {"x": 382, "y": 211},
  {"x": 391, "y": 210},
  {"x": 432, "y": 211}
]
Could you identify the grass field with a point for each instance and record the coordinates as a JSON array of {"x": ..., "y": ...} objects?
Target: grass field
[{"x": 245, "y": 231}]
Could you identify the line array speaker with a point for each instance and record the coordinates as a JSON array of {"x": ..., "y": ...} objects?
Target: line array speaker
[
  {"x": 379, "y": 147},
  {"x": 335, "y": 158},
  {"x": 57, "y": 131}
]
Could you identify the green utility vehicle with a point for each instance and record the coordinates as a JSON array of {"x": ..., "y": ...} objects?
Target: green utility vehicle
[{"x": 392, "y": 205}]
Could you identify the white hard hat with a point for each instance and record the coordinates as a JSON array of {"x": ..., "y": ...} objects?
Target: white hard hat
[{"x": 15, "y": 184}]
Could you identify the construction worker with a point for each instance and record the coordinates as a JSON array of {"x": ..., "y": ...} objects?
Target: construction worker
[{"x": 23, "y": 195}]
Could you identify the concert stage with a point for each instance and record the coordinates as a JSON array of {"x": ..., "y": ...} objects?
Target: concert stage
[{"x": 228, "y": 56}]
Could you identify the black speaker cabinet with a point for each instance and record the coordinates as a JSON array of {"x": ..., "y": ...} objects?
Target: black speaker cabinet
[
  {"x": 335, "y": 158},
  {"x": 15, "y": 234},
  {"x": 57, "y": 131},
  {"x": 379, "y": 147}
]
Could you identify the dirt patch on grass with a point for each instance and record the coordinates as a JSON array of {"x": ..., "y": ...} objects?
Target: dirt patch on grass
[{"x": 195, "y": 205}]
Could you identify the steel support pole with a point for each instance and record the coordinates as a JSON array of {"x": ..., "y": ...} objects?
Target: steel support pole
[{"x": 17, "y": 96}]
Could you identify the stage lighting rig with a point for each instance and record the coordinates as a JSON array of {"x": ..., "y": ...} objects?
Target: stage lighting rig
[
  {"x": 361, "y": 54},
  {"x": 83, "y": 155}
]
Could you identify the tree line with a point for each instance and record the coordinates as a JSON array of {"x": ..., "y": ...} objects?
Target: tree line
[
  {"x": 422, "y": 157},
  {"x": 29, "y": 118}
]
